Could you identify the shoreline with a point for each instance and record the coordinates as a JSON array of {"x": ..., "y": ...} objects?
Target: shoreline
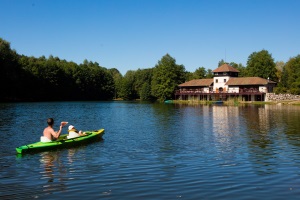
[{"x": 236, "y": 103}]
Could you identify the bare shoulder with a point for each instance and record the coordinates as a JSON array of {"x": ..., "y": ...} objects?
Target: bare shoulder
[{"x": 48, "y": 130}]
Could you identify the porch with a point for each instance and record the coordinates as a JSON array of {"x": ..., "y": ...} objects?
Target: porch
[{"x": 246, "y": 94}]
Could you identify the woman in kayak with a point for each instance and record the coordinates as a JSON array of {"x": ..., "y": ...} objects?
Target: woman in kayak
[
  {"x": 73, "y": 133},
  {"x": 49, "y": 133}
]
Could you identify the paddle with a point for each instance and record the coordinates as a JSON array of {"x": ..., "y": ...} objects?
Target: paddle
[{"x": 64, "y": 123}]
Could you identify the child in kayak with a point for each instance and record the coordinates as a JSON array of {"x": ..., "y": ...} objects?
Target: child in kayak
[{"x": 73, "y": 132}]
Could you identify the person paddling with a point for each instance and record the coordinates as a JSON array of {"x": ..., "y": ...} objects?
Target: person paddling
[{"x": 49, "y": 134}]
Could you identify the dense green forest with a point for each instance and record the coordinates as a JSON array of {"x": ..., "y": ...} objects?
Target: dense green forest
[{"x": 24, "y": 78}]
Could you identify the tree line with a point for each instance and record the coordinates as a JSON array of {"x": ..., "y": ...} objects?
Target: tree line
[{"x": 24, "y": 78}]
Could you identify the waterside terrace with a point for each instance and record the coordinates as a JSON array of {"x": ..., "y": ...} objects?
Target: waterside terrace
[{"x": 247, "y": 94}]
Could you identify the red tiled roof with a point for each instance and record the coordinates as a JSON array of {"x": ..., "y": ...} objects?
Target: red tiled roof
[
  {"x": 248, "y": 81},
  {"x": 197, "y": 82},
  {"x": 226, "y": 68}
]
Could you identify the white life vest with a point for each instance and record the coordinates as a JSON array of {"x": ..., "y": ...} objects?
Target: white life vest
[{"x": 72, "y": 134}]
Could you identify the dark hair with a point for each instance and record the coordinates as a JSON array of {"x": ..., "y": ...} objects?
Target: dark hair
[{"x": 50, "y": 121}]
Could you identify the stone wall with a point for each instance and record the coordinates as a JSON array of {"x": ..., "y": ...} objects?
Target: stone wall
[{"x": 281, "y": 97}]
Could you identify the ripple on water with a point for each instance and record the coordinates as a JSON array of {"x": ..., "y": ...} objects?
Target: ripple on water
[{"x": 154, "y": 151}]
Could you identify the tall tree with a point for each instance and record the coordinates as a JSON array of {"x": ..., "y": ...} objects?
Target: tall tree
[
  {"x": 96, "y": 82},
  {"x": 209, "y": 74},
  {"x": 166, "y": 77},
  {"x": 189, "y": 76},
  {"x": 291, "y": 75},
  {"x": 30, "y": 78},
  {"x": 261, "y": 64},
  {"x": 117, "y": 76},
  {"x": 279, "y": 70},
  {"x": 199, "y": 73},
  {"x": 128, "y": 91},
  {"x": 145, "y": 92},
  {"x": 143, "y": 83},
  {"x": 10, "y": 72}
]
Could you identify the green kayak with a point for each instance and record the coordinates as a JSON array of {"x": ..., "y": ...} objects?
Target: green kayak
[{"x": 62, "y": 142}]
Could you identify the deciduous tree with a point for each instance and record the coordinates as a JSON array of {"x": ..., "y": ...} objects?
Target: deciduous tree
[
  {"x": 167, "y": 75},
  {"x": 261, "y": 64},
  {"x": 291, "y": 75}
]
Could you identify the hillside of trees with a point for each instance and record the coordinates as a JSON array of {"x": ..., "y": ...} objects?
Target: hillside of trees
[{"x": 24, "y": 78}]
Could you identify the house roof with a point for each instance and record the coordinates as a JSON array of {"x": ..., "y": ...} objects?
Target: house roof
[
  {"x": 225, "y": 68},
  {"x": 198, "y": 82},
  {"x": 248, "y": 81}
]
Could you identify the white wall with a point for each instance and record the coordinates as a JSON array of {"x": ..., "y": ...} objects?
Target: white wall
[
  {"x": 233, "y": 89},
  {"x": 263, "y": 89},
  {"x": 206, "y": 89},
  {"x": 220, "y": 83}
]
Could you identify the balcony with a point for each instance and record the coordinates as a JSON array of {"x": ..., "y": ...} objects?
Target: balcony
[{"x": 245, "y": 91}]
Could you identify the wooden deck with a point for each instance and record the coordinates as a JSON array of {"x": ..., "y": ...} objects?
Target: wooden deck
[{"x": 247, "y": 94}]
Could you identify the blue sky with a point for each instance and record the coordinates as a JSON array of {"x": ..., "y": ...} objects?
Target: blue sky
[{"x": 132, "y": 34}]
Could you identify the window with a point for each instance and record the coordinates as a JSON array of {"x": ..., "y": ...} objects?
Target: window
[
  {"x": 216, "y": 80},
  {"x": 225, "y": 80}
]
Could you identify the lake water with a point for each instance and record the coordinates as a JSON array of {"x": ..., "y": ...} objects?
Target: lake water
[{"x": 154, "y": 151}]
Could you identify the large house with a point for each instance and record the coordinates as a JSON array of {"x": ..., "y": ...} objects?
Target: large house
[{"x": 225, "y": 84}]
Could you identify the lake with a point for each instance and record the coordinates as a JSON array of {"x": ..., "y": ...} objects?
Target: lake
[{"x": 154, "y": 151}]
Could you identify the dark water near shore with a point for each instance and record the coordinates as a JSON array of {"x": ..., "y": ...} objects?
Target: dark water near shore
[{"x": 154, "y": 151}]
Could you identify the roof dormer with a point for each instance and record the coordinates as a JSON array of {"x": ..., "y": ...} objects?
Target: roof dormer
[{"x": 226, "y": 70}]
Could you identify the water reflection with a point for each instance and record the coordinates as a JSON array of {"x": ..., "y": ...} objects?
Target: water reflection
[
  {"x": 54, "y": 172},
  {"x": 48, "y": 161},
  {"x": 225, "y": 122},
  {"x": 261, "y": 131},
  {"x": 165, "y": 151},
  {"x": 71, "y": 153},
  {"x": 288, "y": 118},
  {"x": 226, "y": 129}
]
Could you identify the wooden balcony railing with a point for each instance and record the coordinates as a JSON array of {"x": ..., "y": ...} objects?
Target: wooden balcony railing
[{"x": 198, "y": 91}]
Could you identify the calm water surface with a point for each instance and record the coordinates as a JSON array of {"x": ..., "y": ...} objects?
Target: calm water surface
[{"x": 154, "y": 151}]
